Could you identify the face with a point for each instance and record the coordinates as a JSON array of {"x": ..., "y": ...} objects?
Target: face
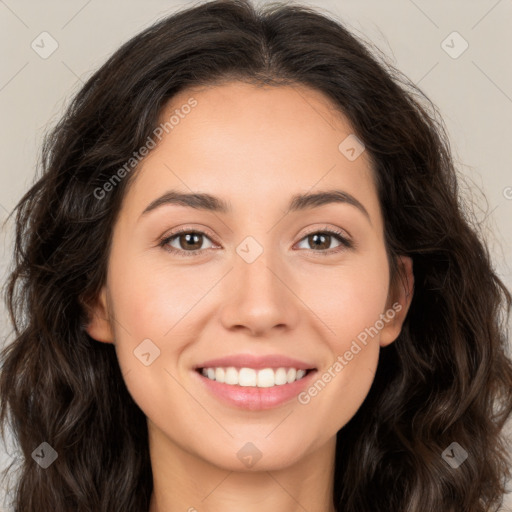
[{"x": 260, "y": 281}]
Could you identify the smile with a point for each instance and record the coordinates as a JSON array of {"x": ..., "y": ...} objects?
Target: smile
[
  {"x": 254, "y": 390},
  {"x": 261, "y": 378}
]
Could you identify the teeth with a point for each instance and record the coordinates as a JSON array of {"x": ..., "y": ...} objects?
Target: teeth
[
  {"x": 264, "y": 378},
  {"x": 247, "y": 377},
  {"x": 219, "y": 374}
]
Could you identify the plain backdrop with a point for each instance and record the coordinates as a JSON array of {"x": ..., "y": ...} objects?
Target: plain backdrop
[{"x": 458, "y": 52}]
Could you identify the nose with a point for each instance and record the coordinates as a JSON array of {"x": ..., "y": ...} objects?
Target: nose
[{"x": 259, "y": 298}]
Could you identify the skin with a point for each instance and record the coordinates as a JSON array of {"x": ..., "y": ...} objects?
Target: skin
[{"x": 254, "y": 147}]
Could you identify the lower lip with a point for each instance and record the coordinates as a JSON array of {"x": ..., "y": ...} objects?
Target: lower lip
[{"x": 254, "y": 398}]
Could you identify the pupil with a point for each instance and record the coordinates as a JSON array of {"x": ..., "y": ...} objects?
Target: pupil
[
  {"x": 190, "y": 239},
  {"x": 314, "y": 239}
]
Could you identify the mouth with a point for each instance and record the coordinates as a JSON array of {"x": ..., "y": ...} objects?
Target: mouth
[
  {"x": 253, "y": 377},
  {"x": 257, "y": 386}
]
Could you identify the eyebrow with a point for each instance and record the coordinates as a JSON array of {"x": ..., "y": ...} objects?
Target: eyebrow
[{"x": 298, "y": 202}]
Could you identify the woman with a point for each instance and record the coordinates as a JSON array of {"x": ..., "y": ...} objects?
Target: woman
[{"x": 244, "y": 281}]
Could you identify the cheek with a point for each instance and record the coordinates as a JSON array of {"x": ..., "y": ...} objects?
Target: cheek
[
  {"x": 349, "y": 300},
  {"x": 154, "y": 298},
  {"x": 149, "y": 307},
  {"x": 146, "y": 307},
  {"x": 350, "y": 297}
]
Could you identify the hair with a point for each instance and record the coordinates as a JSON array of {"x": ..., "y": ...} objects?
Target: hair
[{"x": 447, "y": 378}]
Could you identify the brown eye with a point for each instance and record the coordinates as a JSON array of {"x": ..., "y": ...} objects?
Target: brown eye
[
  {"x": 192, "y": 241},
  {"x": 186, "y": 242},
  {"x": 320, "y": 241}
]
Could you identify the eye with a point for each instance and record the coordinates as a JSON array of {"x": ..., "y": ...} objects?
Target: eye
[
  {"x": 321, "y": 241},
  {"x": 186, "y": 242}
]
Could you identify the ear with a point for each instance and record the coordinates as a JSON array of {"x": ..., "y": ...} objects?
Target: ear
[
  {"x": 99, "y": 326},
  {"x": 399, "y": 300}
]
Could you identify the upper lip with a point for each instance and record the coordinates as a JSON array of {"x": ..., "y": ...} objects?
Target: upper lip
[{"x": 256, "y": 362}]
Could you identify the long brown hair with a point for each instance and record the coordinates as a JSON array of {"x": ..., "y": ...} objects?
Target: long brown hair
[{"x": 446, "y": 378}]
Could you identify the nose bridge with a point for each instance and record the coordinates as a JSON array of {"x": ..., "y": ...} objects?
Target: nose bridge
[
  {"x": 257, "y": 295},
  {"x": 256, "y": 270},
  {"x": 257, "y": 278}
]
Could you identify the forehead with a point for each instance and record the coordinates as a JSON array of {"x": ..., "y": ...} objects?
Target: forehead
[{"x": 253, "y": 143}]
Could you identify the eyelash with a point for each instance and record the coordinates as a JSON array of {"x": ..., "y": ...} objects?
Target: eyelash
[{"x": 345, "y": 243}]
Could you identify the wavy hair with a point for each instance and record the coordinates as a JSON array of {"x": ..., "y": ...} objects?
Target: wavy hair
[{"x": 447, "y": 378}]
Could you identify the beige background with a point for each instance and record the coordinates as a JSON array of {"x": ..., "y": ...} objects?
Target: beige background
[{"x": 473, "y": 91}]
